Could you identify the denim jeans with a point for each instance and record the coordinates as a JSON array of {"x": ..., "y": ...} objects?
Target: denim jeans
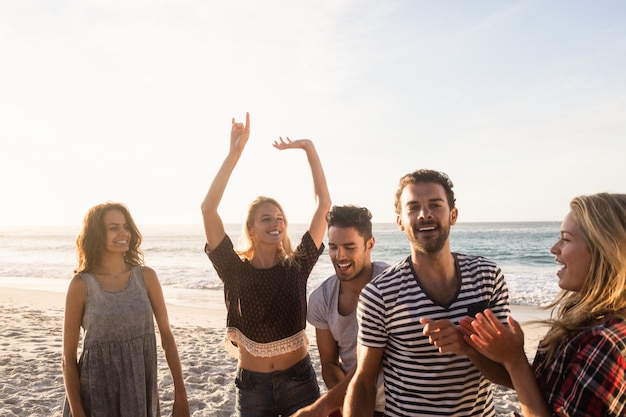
[{"x": 279, "y": 393}]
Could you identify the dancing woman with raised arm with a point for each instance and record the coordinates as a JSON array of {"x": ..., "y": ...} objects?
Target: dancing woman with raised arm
[{"x": 265, "y": 288}]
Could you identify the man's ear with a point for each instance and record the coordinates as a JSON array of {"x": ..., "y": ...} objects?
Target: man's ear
[
  {"x": 399, "y": 222},
  {"x": 454, "y": 214}
]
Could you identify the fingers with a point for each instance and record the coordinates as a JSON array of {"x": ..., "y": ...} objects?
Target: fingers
[
  {"x": 484, "y": 333},
  {"x": 283, "y": 143},
  {"x": 241, "y": 125},
  {"x": 478, "y": 342},
  {"x": 496, "y": 326},
  {"x": 465, "y": 326},
  {"x": 437, "y": 327},
  {"x": 483, "y": 328},
  {"x": 430, "y": 327},
  {"x": 516, "y": 328},
  {"x": 488, "y": 328},
  {"x": 444, "y": 335}
]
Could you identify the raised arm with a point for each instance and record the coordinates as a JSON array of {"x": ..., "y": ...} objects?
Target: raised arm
[
  {"x": 213, "y": 225},
  {"x": 317, "y": 227}
]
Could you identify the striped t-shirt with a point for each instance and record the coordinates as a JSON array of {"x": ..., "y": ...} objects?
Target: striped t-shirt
[{"x": 419, "y": 380}]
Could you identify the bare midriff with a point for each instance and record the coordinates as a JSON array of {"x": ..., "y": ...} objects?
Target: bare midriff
[{"x": 270, "y": 364}]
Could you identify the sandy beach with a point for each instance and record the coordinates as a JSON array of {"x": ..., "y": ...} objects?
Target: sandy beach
[{"x": 31, "y": 382}]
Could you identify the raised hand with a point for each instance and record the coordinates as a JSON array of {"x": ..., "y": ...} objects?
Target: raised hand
[
  {"x": 289, "y": 144},
  {"x": 239, "y": 134}
]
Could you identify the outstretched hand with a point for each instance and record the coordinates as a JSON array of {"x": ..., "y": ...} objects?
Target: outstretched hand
[
  {"x": 495, "y": 340},
  {"x": 239, "y": 134},
  {"x": 289, "y": 144}
]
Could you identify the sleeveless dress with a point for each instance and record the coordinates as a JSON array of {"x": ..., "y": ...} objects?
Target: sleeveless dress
[{"x": 118, "y": 363}]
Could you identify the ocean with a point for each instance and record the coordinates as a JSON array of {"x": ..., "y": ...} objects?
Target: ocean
[{"x": 43, "y": 257}]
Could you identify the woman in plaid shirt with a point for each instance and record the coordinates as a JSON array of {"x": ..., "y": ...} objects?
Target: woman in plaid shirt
[{"x": 580, "y": 368}]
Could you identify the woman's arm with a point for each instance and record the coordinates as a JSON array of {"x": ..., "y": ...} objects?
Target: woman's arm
[
  {"x": 505, "y": 344},
  {"x": 155, "y": 294},
  {"x": 213, "y": 225},
  {"x": 444, "y": 335},
  {"x": 317, "y": 227},
  {"x": 74, "y": 306}
]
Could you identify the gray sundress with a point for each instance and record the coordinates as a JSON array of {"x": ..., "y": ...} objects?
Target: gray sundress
[{"x": 118, "y": 363}]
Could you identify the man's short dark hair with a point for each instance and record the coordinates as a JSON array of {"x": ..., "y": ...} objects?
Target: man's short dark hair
[{"x": 351, "y": 216}]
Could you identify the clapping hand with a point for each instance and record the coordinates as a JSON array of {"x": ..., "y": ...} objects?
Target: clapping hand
[{"x": 499, "y": 342}]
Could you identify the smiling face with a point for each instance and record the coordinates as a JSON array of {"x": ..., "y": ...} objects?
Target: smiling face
[
  {"x": 117, "y": 231},
  {"x": 349, "y": 252},
  {"x": 268, "y": 225},
  {"x": 572, "y": 252},
  {"x": 425, "y": 216}
]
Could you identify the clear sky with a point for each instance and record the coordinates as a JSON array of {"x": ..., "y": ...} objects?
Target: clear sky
[{"x": 522, "y": 103}]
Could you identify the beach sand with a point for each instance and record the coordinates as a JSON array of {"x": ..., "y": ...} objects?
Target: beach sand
[{"x": 31, "y": 382}]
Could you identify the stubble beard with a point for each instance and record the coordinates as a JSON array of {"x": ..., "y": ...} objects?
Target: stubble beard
[
  {"x": 346, "y": 277},
  {"x": 431, "y": 246}
]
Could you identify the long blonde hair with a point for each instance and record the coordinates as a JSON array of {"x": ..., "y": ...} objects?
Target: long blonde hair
[
  {"x": 601, "y": 219},
  {"x": 245, "y": 247}
]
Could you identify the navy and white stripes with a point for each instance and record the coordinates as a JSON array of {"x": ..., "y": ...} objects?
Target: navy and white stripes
[{"x": 420, "y": 380}]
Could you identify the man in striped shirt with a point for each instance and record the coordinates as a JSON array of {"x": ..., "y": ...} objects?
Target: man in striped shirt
[{"x": 409, "y": 315}]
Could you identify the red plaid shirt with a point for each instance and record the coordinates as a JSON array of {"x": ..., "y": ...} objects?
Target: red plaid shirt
[{"x": 587, "y": 376}]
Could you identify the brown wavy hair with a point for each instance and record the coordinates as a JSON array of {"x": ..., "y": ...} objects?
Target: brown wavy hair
[
  {"x": 425, "y": 176},
  {"x": 601, "y": 219},
  {"x": 91, "y": 241}
]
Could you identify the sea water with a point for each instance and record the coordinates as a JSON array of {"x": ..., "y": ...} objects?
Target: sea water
[{"x": 43, "y": 257}]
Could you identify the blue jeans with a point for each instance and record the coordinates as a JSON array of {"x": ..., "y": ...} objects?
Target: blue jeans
[{"x": 279, "y": 393}]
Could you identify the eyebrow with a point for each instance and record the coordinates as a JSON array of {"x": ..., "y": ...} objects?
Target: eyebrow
[
  {"x": 430, "y": 200},
  {"x": 351, "y": 243}
]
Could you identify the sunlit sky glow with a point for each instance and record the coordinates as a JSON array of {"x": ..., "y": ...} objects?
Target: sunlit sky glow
[{"x": 522, "y": 103}]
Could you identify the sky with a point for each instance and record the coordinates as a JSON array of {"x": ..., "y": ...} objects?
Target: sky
[{"x": 521, "y": 103}]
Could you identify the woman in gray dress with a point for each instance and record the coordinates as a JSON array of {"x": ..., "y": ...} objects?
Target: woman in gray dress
[{"x": 113, "y": 297}]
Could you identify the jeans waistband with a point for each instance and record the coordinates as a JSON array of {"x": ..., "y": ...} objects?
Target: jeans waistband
[{"x": 296, "y": 369}]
